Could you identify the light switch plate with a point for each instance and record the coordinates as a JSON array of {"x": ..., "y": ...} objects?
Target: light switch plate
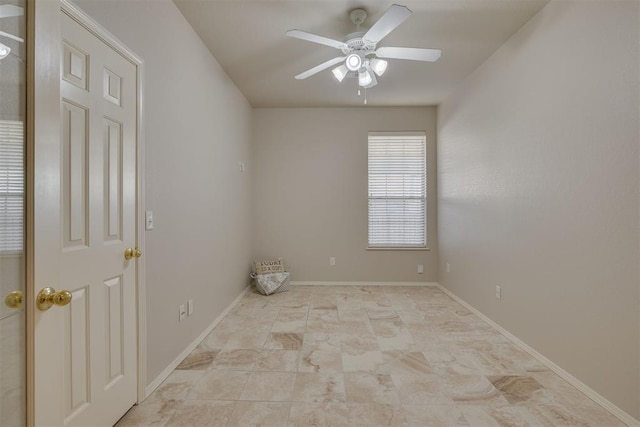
[
  {"x": 189, "y": 307},
  {"x": 148, "y": 220}
]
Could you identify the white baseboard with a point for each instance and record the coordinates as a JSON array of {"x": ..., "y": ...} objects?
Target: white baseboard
[
  {"x": 582, "y": 387},
  {"x": 173, "y": 365},
  {"x": 310, "y": 283}
]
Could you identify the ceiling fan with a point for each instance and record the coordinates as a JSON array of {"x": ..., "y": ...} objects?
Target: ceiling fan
[{"x": 361, "y": 54}]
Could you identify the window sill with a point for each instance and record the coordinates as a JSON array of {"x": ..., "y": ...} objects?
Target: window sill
[{"x": 398, "y": 249}]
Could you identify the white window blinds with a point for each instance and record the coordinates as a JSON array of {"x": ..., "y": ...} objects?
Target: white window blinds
[
  {"x": 397, "y": 190},
  {"x": 11, "y": 186}
]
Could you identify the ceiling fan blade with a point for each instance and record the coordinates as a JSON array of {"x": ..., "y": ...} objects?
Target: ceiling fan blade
[
  {"x": 412, "y": 53},
  {"x": 302, "y": 35},
  {"x": 319, "y": 68},
  {"x": 388, "y": 22}
]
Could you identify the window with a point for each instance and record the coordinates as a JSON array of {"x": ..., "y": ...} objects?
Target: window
[
  {"x": 11, "y": 186},
  {"x": 397, "y": 190}
]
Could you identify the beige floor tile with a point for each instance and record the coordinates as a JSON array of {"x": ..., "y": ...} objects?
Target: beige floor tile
[
  {"x": 362, "y": 387},
  {"x": 361, "y": 361},
  {"x": 324, "y": 302},
  {"x": 314, "y": 388},
  {"x": 219, "y": 385},
  {"x": 277, "y": 360},
  {"x": 246, "y": 339},
  {"x": 382, "y": 314},
  {"x": 376, "y": 302},
  {"x": 356, "y": 343},
  {"x": 283, "y": 341},
  {"x": 217, "y": 339},
  {"x": 176, "y": 386},
  {"x": 412, "y": 316},
  {"x": 473, "y": 390},
  {"x": 405, "y": 362},
  {"x": 319, "y": 414},
  {"x": 263, "y": 414},
  {"x": 400, "y": 340},
  {"x": 269, "y": 387},
  {"x": 235, "y": 359},
  {"x": 376, "y": 415},
  {"x": 320, "y": 361},
  {"x": 355, "y": 327},
  {"x": 321, "y": 341},
  {"x": 199, "y": 359},
  {"x": 317, "y": 325},
  {"x": 349, "y": 302},
  {"x": 292, "y": 314},
  {"x": 351, "y": 313},
  {"x": 434, "y": 416},
  {"x": 504, "y": 416},
  {"x": 421, "y": 389},
  {"x": 202, "y": 413},
  {"x": 293, "y": 326}
]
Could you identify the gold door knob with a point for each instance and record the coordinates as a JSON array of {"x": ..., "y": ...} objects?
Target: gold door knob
[
  {"x": 132, "y": 253},
  {"x": 48, "y": 297},
  {"x": 14, "y": 299}
]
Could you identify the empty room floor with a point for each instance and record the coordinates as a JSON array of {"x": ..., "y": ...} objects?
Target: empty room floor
[{"x": 361, "y": 355}]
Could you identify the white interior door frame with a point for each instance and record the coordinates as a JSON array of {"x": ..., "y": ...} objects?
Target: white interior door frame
[{"x": 43, "y": 132}]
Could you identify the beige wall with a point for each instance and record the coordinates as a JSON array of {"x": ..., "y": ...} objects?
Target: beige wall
[
  {"x": 197, "y": 130},
  {"x": 539, "y": 192},
  {"x": 310, "y": 192}
]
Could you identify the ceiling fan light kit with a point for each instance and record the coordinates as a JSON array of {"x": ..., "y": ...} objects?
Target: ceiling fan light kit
[{"x": 362, "y": 56}]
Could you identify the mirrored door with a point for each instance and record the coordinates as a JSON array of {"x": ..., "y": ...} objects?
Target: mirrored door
[{"x": 13, "y": 74}]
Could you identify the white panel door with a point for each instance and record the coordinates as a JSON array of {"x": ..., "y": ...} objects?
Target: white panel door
[{"x": 91, "y": 343}]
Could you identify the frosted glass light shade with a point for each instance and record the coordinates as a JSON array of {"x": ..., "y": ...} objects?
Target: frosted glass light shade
[
  {"x": 364, "y": 78},
  {"x": 353, "y": 62},
  {"x": 340, "y": 72},
  {"x": 379, "y": 66},
  {"x": 4, "y": 51}
]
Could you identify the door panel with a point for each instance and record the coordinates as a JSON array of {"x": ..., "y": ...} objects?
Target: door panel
[
  {"x": 97, "y": 208},
  {"x": 75, "y": 143}
]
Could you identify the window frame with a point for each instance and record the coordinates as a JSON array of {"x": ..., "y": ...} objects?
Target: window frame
[{"x": 388, "y": 246}]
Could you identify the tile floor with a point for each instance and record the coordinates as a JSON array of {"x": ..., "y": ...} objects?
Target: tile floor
[{"x": 361, "y": 356}]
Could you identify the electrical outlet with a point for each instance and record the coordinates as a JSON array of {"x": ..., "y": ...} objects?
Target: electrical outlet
[
  {"x": 498, "y": 292},
  {"x": 420, "y": 268},
  {"x": 448, "y": 268},
  {"x": 189, "y": 307},
  {"x": 332, "y": 260},
  {"x": 182, "y": 312}
]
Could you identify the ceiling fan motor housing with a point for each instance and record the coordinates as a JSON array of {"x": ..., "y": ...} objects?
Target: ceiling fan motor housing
[{"x": 355, "y": 43}]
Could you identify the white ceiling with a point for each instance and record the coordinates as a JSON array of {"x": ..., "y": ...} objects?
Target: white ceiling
[{"x": 247, "y": 37}]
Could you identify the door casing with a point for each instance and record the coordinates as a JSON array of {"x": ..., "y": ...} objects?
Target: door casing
[{"x": 43, "y": 138}]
